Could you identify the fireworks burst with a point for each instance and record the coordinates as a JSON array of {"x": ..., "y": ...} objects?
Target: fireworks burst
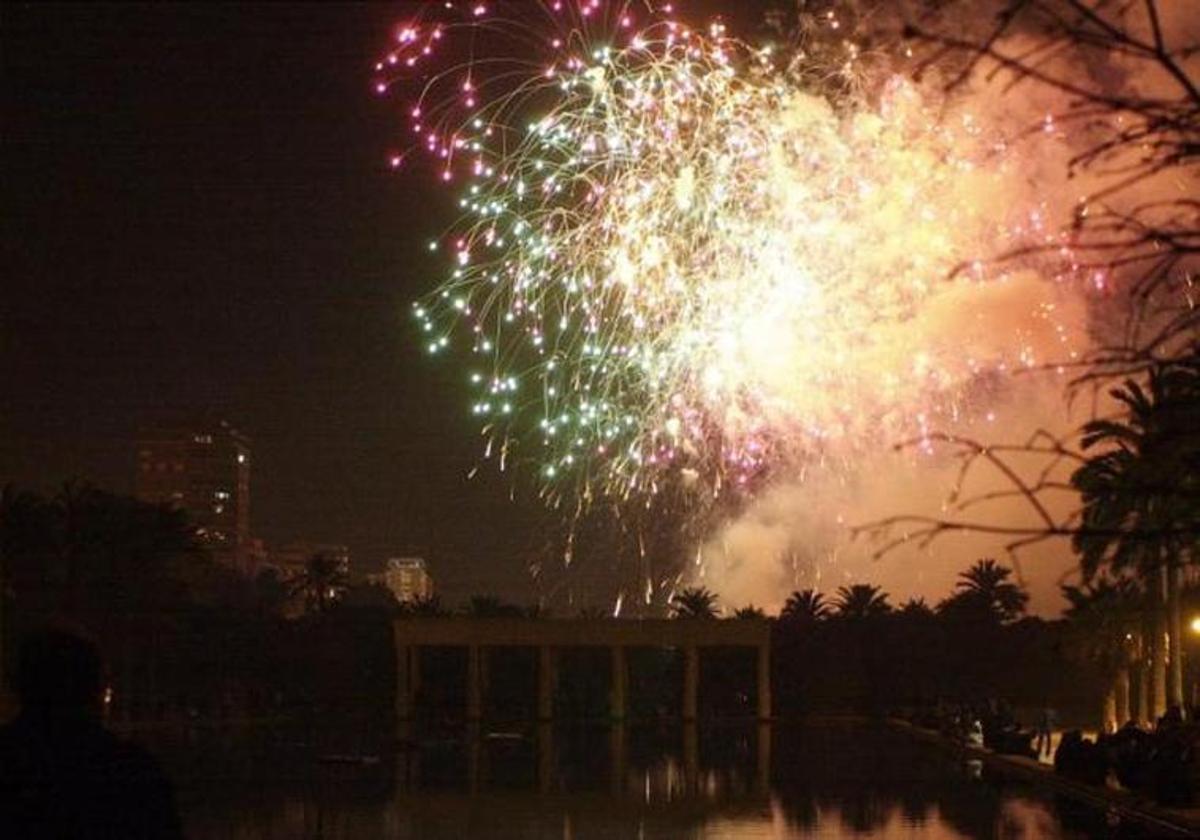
[{"x": 681, "y": 265}]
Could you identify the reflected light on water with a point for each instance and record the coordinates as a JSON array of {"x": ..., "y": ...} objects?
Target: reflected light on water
[{"x": 707, "y": 784}]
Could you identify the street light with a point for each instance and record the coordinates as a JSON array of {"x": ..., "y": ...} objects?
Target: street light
[{"x": 1196, "y": 625}]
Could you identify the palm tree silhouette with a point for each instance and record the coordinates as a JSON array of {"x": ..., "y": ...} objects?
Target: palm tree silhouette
[
  {"x": 805, "y": 606},
  {"x": 1104, "y": 618},
  {"x": 322, "y": 582},
  {"x": 694, "y": 602},
  {"x": 1141, "y": 494},
  {"x": 862, "y": 600},
  {"x": 914, "y": 607},
  {"x": 749, "y": 611},
  {"x": 986, "y": 584}
]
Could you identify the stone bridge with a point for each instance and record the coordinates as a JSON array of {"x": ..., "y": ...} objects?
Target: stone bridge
[{"x": 548, "y": 636}]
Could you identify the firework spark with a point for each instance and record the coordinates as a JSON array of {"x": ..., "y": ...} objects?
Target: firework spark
[{"x": 687, "y": 267}]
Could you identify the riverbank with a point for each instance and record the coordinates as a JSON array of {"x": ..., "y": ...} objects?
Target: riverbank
[{"x": 1128, "y": 807}]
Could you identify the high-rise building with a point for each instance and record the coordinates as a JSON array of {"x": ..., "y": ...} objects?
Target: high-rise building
[
  {"x": 406, "y": 578},
  {"x": 200, "y": 466}
]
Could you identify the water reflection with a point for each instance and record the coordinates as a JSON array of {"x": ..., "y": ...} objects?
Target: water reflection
[{"x": 619, "y": 782}]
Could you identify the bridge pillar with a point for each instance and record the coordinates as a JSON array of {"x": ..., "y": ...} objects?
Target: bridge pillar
[
  {"x": 403, "y": 699},
  {"x": 476, "y": 758},
  {"x": 475, "y": 656},
  {"x": 412, "y": 682},
  {"x": 545, "y": 747},
  {"x": 691, "y": 680},
  {"x": 408, "y": 676},
  {"x": 764, "y": 682},
  {"x": 618, "y": 757},
  {"x": 620, "y": 683},
  {"x": 547, "y": 682}
]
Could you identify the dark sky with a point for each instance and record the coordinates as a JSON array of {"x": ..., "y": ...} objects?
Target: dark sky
[{"x": 197, "y": 213}]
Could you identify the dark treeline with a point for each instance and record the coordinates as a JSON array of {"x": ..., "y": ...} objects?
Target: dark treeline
[
  {"x": 854, "y": 651},
  {"x": 185, "y": 637}
]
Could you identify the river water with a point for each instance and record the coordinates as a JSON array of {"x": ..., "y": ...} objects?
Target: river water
[{"x": 734, "y": 783}]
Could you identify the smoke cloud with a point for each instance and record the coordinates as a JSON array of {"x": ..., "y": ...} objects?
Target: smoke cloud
[{"x": 800, "y": 531}]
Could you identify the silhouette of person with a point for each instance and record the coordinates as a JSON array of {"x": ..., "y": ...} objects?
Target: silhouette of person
[
  {"x": 1047, "y": 721},
  {"x": 62, "y": 774}
]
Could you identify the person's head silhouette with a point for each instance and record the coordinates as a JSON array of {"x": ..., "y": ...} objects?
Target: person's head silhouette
[
  {"x": 59, "y": 674},
  {"x": 62, "y": 774}
]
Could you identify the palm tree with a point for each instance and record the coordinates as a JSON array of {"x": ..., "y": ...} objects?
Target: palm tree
[
  {"x": 915, "y": 607},
  {"x": 986, "y": 586},
  {"x": 694, "y": 602},
  {"x": 805, "y": 606},
  {"x": 750, "y": 611},
  {"x": 1140, "y": 508},
  {"x": 862, "y": 600},
  {"x": 1104, "y": 618},
  {"x": 915, "y": 652},
  {"x": 322, "y": 582}
]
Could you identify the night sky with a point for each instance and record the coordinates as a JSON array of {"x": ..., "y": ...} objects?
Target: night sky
[{"x": 198, "y": 213}]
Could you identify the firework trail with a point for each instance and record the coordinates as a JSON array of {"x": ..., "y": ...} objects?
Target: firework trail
[{"x": 686, "y": 263}]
